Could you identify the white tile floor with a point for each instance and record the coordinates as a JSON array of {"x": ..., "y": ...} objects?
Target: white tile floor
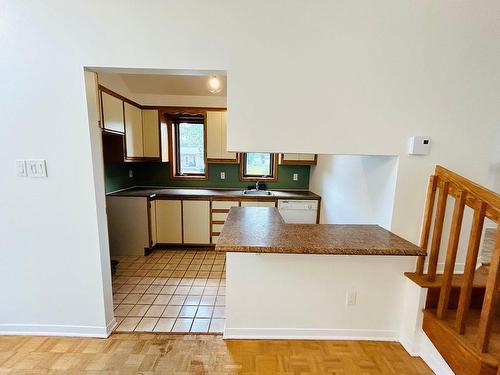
[{"x": 171, "y": 291}]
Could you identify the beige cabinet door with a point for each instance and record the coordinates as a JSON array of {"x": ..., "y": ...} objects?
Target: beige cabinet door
[
  {"x": 224, "y": 153},
  {"x": 290, "y": 157},
  {"x": 307, "y": 157},
  {"x": 168, "y": 221},
  {"x": 112, "y": 113},
  {"x": 196, "y": 222},
  {"x": 214, "y": 123},
  {"x": 150, "y": 133},
  {"x": 152, "y": 222},
  {"x": 133, "y": 131}
]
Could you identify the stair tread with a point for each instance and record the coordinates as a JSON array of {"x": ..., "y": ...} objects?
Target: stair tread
[{"x": 480, "y": 279}]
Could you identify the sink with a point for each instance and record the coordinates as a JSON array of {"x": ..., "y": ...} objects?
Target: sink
[{"x": 257, "y": 192}]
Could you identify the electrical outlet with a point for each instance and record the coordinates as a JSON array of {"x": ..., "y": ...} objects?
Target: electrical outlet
[
  {"x": 21, "y": 168},
  {"x": 350, "y": 299},
  {"x": 223, "y": 175},
  {"x": 295, "y": 176},
  {"x": 130, "y": 173}
]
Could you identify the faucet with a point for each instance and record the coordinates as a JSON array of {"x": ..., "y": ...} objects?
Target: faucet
[{"x": 257, "y": 185}]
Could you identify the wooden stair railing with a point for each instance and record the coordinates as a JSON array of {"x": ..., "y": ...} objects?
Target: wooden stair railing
[{"x": 485, "y": 204}]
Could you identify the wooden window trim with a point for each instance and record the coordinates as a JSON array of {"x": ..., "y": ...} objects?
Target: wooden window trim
[
  {"x": 172, "y": 147},
  {"x": 274, "y": 166}
]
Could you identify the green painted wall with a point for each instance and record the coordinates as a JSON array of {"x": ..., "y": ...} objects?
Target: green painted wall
[
  {"x": 157, "y": 174},
  {"x": 116, "y": 176}
]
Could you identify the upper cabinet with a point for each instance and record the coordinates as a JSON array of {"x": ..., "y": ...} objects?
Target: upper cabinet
[
  {"x": 140, "y": 127},
  {"x": 216, "y": 122},
  {"x": 112, "y": 113},
  {"x": 150, "y": 133},
  {"x": 299, "y": 159},
  {"x": 133, "y": 132}
]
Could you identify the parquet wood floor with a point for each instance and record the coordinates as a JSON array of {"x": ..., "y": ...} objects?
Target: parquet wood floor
[{"x": 146, "y": 353}]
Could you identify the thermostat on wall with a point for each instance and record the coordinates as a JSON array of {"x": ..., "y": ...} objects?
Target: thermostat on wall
[{"x": 419, "y": 145}]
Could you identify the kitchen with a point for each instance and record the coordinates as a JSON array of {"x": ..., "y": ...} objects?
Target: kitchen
[{"x": 170, "y": 183}]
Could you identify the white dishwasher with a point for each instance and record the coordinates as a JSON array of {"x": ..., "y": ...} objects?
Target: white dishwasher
[{"x": 298, "y": 211}]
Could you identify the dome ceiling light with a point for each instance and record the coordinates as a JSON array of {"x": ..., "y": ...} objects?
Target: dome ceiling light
[{"x": 214, "y": 85}]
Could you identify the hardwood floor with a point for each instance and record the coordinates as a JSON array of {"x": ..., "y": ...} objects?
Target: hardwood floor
[{"x": 147, "y": 353}]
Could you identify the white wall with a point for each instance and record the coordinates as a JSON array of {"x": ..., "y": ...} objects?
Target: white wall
[
  {"x": 329, "y": 77},
  {"x": 304, "y": 296},
  {"x": 355, "y": 189}
]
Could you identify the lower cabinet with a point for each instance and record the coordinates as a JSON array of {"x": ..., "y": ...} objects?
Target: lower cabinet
[
  {"x": 196, "y": 222},
  {"x": 168, "y": 221},
  {"x": 127, "y": 225}
]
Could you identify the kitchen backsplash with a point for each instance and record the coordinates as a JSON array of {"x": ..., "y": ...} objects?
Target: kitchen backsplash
[{"x": 158, "y": 174}]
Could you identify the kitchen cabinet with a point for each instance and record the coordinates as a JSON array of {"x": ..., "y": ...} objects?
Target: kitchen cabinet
[
  {"x": 112, "y": 113},
  {"x": 133, "y": 131},
  {"x": 168, "y": 221},
  {"x": 142, "y": 133},
  {"x": 196, "y": 221},
  {"x": 298, "y": 159},
  {"x": 150, "y": 133},
  {"x": 127, "y": 225},
  {"x": 216, "y": 122},
  {"x": 256, "y": 203},
  {"x": 220, "y": 210},
  {"x": 140, "y": 127}
]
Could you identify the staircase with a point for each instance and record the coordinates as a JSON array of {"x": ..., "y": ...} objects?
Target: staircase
[{"x": 460, "y": 315}]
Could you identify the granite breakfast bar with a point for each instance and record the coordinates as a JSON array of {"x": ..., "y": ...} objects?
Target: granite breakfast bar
[{"x": 309, "y": 281}]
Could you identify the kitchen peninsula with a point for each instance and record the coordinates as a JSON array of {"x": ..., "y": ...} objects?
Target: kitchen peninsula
[{"x": 283, "y": 279}]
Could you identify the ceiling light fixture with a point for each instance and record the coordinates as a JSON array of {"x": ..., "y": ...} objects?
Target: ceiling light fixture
[{"x": 214, "y": 85}]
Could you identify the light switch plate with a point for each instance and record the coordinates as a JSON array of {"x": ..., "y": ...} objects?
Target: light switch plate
[
  {"x": 21, "y": 168},
  {"x": 223, "y": 175},
  {"x": 130, "y": 173},
  {"x": 295, "y": 176},
  {"x": 36, "y": 168},
  {"x": 350, "y": 299}
]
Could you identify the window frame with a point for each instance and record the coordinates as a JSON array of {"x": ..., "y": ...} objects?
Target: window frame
[
  {"x": 174, "y": 149},
  {"x": 274, "y": 169}
]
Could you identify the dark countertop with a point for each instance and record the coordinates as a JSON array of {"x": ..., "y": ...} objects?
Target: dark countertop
[
  {"x": 153, "y": 192},
  {"x": 262, "y": 230}
]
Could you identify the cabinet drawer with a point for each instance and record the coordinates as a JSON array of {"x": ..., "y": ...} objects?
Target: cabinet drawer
[
  {"x": 224, "y": 204},
  {"x": 258, "y": 204},
  {"x": 219, "y": 216},
  {"x": 217, "y": 227}
]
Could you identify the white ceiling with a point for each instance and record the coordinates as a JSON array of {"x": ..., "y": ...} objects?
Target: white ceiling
[{"x": 160, "y": 84}]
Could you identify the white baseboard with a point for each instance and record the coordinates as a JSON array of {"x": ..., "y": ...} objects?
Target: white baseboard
[
  {"x": 57, "y": 330},
  {"x": 110, "y": 327},
  {"x": 410, "y": 346},
  {"x": 309, "y": 334},
  {"x": 432, "y": 358}
]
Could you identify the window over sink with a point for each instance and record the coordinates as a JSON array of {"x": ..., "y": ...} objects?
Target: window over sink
[{"x": 259, "y": 166}]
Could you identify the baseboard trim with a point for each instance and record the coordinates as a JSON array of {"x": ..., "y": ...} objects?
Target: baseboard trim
[
  {"x": 432, "y": 358},
  {"x": 110, "y": 327},
  {"x": 309, "y": 334},
  {"x": 57, "y": 330}
]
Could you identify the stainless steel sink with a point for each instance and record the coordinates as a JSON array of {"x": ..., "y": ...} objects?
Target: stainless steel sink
[{"x": 257, "y": 192}]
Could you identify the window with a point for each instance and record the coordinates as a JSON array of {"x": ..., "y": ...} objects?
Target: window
[
  {"x": 258, "y": 166},
  {"x": 189, "y": 147}
]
